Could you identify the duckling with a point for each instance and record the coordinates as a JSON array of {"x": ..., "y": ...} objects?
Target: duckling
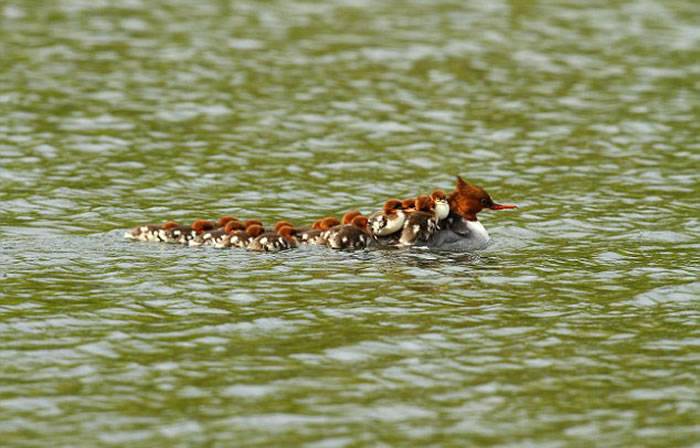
[
  {"x": 389, "y": 220},
  {"x": 442, "y": 205},
  {"x": 241, "y": 238},
  {"x": 149, "y": 232},
  {"x": 212, "y": 237},
  {"x": 421, "y": 224},
  {"x": 183, "y": 234},
  {"x": 350, "y": 236},
  {"x": 282, "y": 238},
  {"x": 315, "y": 234}
]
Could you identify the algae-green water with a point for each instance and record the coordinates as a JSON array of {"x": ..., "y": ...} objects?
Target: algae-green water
[{"x": 578, "y": 326}]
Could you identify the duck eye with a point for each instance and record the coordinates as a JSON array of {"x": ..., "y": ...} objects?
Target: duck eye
[{"x": 484, "y": 201}]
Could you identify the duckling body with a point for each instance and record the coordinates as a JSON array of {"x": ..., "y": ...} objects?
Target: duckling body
[
  {"x": 315, "y": 235},
  {"x": 149, "y": 232},
  {"x": 281, "y": 239},
  {"x": 241, "y": 238},
  {"x": 350, "y": 236},
  {"x": 421, "y": 224},
  {"x": 387, "y": 221},
  {"x": 214, "y": 237},
  {"x": 146, "y": 232},
  {"x": 419, "y": 228}
]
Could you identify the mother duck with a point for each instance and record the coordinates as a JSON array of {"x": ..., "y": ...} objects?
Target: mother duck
[{"x": 461, "y": 230}]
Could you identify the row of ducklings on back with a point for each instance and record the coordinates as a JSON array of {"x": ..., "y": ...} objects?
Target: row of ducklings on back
[{"x": 408, "y": 222}]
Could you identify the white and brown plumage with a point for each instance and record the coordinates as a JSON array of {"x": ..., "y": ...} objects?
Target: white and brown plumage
[
  {"x": 315, "y": 236},
  {"x": 389, "y": 220},
  {"x": 346, "y": 219},
  {"x": 214, "y": 237},
  {"x": 462, "y": 230},
  {"x": 149, "y": 232},
  {"x": 442, "y": 204},
  {"x": 421, "y": 224},
  {"x": 281, "y": 239},
  {"x": 355, "y": 235},
  {"x": 439, "y": 221},
  {"x": 241, "y": 238},
  {"x": 183, "y": 234}
]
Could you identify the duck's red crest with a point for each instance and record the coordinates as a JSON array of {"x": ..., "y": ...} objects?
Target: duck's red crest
[{"x": 468, "y": 199}]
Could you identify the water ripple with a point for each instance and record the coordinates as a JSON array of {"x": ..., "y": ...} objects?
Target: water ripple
[{"x": 578, "y": 325}]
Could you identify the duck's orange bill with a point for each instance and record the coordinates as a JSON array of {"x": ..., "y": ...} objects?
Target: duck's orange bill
[{"x": 503, "y": 206}]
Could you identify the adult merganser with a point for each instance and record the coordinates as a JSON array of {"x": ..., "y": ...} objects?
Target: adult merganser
[
  {"x": 387, "y": 221},
  {"x": 350, "y": 236},
  {"x": 463, "y": 231},
  {"x": 421, "y": 224},
  {"x": 282, "y": 238}
]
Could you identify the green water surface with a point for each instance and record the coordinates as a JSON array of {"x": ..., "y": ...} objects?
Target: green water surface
[{"x": 578, "y": 326}]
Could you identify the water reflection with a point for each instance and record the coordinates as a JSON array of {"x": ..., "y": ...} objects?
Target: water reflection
[{"x": 576, "y": 325}]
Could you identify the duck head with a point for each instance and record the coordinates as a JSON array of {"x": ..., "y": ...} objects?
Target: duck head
[{"x": 468, "y": 199}]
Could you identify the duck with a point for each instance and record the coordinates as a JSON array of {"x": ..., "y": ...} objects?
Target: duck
[
  {"x": 183, "y": 234},
  {"x": 241, "y": 238},
  {"x": 354, "y": 235},
  {"x": 314, "y": 236},
  {"x": 441, "y": 221},
  {"x": 389, "y": 220},
  {"x": 349, "y": 216},
  {"x": 462, "y": 230},
  {"x": 212, "y": 237},
  {"x": 408, "y": 204},
  {"x": 222, "y": 221},
  {"x": 442, "y": 205},
  {"x": 345, "y": 220},
  {"x": 149, "y": 232},
  {"x": 314, "y": 230},
  {"x": 252, "y": 228},
  {"x": 281, "y": 239},
  {"x": 420, "y": 224}
]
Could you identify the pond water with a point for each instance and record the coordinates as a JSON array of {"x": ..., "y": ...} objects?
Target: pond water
[{"x": 578, "y": 326}]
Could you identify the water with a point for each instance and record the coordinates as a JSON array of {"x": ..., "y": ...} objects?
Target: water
[{"x": 577, "y": 327}]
